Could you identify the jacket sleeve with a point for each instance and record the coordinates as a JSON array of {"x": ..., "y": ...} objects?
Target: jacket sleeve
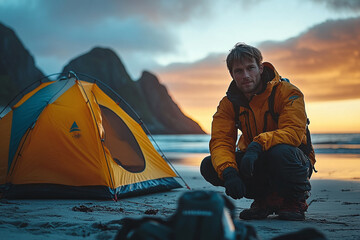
[
  {"x": 289, "y": 103},
  {"x": 223, "y": 137}
]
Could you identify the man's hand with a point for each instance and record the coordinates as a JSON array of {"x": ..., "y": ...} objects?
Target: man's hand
[
  {"x": 234, "y": 186},
  {"x": 248, "y": 161}
]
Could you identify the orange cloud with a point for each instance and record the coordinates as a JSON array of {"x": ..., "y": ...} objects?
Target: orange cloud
[
  {"x": 338, "y": 5},
  {"x": 198, "y": 84},
  {"x": 324, "y": 62}
]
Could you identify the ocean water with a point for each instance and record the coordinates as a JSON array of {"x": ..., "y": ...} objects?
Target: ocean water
[
  {"x": 199, "y": 144},
  {"x": 337, "y": 155},
  {"x": 323, "y": 143}
]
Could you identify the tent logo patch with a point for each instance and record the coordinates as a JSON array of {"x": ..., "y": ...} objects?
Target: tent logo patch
[{"x": 75, "y": 130}]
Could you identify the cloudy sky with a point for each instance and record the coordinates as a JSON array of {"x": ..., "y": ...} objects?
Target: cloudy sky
[{"x": 314, "y": 43}]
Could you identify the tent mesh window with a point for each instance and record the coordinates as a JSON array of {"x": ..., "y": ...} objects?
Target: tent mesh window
[{"x": 121, "y": 143}]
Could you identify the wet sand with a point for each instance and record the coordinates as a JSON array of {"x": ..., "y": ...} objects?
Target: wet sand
[{"x": 334, "y": 210}]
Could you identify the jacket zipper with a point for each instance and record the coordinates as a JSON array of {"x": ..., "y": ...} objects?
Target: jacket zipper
[
  {"x": 246, "y": 117},
  {"x": 256, "y": 129}
]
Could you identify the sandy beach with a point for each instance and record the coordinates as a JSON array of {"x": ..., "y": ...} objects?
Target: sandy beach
[{"x": 334, "y": 210}]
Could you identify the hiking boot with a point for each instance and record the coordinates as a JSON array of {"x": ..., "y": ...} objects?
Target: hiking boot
[
  {"x": 274, "y": 202},
  {"x": 257, "y": 210},
  {"x": 293, "y": 210},
  {"x": 262, "y": 208}
]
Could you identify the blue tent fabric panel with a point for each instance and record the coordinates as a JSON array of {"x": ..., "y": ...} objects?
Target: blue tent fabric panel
[
  {"x": 25, "y": 116},
  {"x": 146, "y": 187}
]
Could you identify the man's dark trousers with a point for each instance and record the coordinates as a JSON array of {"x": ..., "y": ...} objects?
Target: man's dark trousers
[{"x": 283, "y": 169}]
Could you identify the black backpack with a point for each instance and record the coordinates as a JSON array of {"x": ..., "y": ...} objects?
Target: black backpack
[
  {"x": 306, "y": 148},
  {"x": 200, "y": 215},
  {"x": 207, "y": 215}
]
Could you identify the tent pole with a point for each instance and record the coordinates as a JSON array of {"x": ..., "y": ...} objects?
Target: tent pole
[
  {"x": 164, "y": 157},
  {"x": 140, "y": 122},
  {"x": 101, "y": 140},
  {"x": 24, "y": 89}
]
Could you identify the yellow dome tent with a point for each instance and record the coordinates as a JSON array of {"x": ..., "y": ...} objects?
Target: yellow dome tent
[{"x": 68, "y": 139}]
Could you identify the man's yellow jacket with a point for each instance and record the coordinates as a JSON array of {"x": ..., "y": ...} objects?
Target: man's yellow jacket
[{"x": 256, "y": 124}]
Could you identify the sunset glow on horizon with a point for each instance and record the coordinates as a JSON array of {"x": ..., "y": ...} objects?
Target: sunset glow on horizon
[
  {"x": 314, "y": 43},
  {"x": 323, "y": 62},
  {"x": 325, "y": 117}
]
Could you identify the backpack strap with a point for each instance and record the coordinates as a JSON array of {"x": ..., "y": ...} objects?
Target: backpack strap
[
  {"x": 306, "y": 148},
  {"x": 271, "y": 102},
  {"x": 271, "y": 111}
]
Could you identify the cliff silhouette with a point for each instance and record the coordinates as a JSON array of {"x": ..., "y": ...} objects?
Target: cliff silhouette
[{"x": 147, "y": 96}]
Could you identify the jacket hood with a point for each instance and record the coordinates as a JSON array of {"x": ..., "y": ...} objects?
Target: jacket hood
[{"x": 237, "y": 97}]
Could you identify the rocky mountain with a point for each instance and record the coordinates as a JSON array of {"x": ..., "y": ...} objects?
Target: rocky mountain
[
  {"x": 17, "y": 66},
  {"x": 163, "y": 107},
  {"x": 147, "y": 97}
]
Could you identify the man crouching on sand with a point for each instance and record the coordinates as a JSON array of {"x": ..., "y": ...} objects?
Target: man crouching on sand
[{"x": 273, "y": 159}]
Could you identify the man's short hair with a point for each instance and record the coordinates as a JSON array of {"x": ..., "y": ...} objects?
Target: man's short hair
[{"x": 243, "y": 51}]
